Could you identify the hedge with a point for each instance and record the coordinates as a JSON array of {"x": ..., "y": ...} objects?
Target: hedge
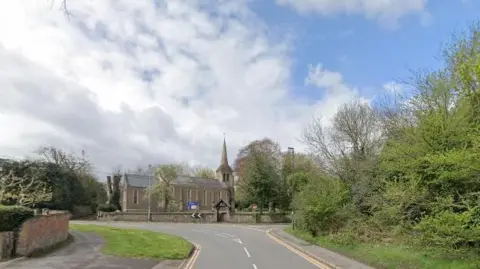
[
  {"x": 12, "y": 217},
  {"x": 106, "y": 208}
]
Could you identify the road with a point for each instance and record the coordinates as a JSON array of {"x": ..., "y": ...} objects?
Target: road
[{"x": 229, "y": 246}]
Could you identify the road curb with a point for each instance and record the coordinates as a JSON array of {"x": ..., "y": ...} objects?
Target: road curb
[
  {"x": 190, "y": 254},
  {"x": 298, "y": 248},
  {"x": 182, "y": 264},
  {"x": 6, "y": 263}
]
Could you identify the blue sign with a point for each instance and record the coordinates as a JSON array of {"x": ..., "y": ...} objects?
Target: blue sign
[{"x": 192, "y": 205}]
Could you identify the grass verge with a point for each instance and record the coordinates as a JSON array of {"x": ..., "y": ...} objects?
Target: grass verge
[
  {"x": 136, "y": 243},
  {"x": 395, "y": 256}
]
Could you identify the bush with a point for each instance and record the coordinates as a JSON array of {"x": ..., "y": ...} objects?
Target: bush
[
  {"x": 106, "y": 208},
  {"x": 321, "y": 205},
  {"x": 12, "y": 217},
  {"x": 449, "y": 229}
]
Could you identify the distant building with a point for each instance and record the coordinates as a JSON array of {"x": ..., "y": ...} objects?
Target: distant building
[{"x": 204, "y": 191}]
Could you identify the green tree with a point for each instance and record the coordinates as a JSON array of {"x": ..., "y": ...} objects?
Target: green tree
[
  {"x": 165, "y": 174},
  {"x": 25, "y": 188},
  {"x": 259, "y": 167},
  {"x": 260, "y": 180}
]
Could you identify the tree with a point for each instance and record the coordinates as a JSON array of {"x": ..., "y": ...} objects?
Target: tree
[
  {"x": 62, "y": 184},
  {"x": 265, "y": 146},
  {"x": 27, "y": 190},
  {"x": 259, "y": 165},
  {"x": 82, "y": 169},
  {"x": 165, "y": 174},
  {"x": 204, "y": 172},
  {"x": 260, "y": 179},
  {"x": 349, "y": 148},
  {"x": 113, "y": 188},
  {"x": 354, "y": 137},
  {"x": 301, "y": 162},
  {"x": 198, "y": 171},
  {"x": 78, "y": 164}
]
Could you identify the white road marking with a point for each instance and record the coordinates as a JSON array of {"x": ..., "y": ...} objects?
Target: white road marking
[
  {"x": 201, "y": 231},
  {"x": 238, "y": 240},
  {"x": 228, "y": 235},
  {"x": 254, "y": 229},
  {"x": 246, "y": 252},
  {"x": 254, "y": 266}
]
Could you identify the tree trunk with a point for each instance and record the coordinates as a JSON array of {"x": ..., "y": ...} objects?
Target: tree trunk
[
  {"x": 116, "y": 191},
  {"x": 109, "y": 190}
]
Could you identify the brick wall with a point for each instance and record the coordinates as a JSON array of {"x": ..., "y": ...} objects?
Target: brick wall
[
  {"x": 42, "y": 232},
  {"x": 6, "y": 245}
]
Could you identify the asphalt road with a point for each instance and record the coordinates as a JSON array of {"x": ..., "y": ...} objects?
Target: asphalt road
[{"x": 224, "y": 246}]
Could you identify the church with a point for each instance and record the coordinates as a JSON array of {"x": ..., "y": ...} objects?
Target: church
[{"x": 185, "y": 189}]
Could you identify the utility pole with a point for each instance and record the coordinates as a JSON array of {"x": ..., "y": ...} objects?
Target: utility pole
[
  {"x": 291, "y": 151},
  {"x": 150, "y": 175}
]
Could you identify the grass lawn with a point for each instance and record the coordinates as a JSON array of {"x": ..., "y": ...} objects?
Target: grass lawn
[
  {"x": 137, "y": 243},
  {"x": 395, "y": 257}
]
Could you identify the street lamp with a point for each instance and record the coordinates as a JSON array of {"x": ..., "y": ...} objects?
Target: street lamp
[
  {"x": 291, "y": 151},
  {"x": 150, "y": 175}
]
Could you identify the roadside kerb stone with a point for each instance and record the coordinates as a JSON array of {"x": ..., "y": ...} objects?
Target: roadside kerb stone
[
  {"x": 5, "y": 264},
  {"x": 330, "y": 258},
  {"x": 161, "y": 265}
]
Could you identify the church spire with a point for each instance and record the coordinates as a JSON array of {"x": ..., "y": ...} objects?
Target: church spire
[{"x": 224, "y": 166}]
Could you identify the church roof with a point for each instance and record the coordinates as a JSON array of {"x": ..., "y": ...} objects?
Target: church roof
[
  {"x": 224, "y": 166},
  {"x": 141, "y": 181}
]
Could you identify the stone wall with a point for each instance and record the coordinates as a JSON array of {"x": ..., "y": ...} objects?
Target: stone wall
[
  {"x": 42, "y": 232},
  {"x": 275, "y": 218},
  {"x": 207, "y": 217},
  {"x": 81, "y": 211},
  {"x": 7, "y": 244},
  {"x": 183, "y": 217}
]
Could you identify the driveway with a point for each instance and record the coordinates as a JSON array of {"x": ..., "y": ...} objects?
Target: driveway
[
  {"x": 83, "y": 253},
  {"x": 226, "y": 246}
]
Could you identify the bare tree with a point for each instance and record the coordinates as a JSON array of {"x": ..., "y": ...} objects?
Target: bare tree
[
  {"x": 68, "y": 160},
  {"x": 355, "y": 134},
  {"x": 140, "y": 170}
]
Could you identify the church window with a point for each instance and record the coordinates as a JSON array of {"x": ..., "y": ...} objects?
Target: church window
[
  {"x": 226, "y": 177},
  {"x": 135, "y": 196}
]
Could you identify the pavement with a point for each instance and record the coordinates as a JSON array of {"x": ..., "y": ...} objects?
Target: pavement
[
  {"x": 83, "y": 253},
  {"x": 325, "y": 256},
  {"x": 219, "y": 246}
]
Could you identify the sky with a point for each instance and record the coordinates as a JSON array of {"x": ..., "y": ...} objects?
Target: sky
[{"x": 138, "y": 82}]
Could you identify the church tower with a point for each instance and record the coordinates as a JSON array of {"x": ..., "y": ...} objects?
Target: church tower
[{"x": 225, "y": 174}]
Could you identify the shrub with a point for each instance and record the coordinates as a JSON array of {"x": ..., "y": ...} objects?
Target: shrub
[
  {"x": 12, "y": 217},
  {"x": 449, "y": 229},
  {"x": 321, "y": 205},
  {"x": 106, "y": 208}
]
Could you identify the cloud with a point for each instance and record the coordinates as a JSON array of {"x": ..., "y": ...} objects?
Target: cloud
[
  {"x": 386, "y": 12},
  {"x": 337, "y": 91},
  {"x": 139, "y": 82}
]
